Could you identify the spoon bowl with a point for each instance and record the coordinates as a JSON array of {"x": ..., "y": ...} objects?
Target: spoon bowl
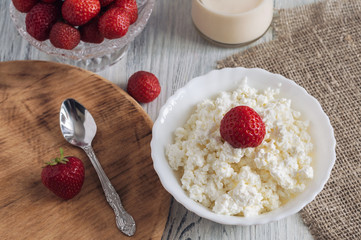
[
  {"x": 76, "y": 123},
  {"x": 78, "y": 128}
]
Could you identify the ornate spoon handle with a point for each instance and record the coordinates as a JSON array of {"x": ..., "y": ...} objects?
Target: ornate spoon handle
[{"x": 124, "y": 221}]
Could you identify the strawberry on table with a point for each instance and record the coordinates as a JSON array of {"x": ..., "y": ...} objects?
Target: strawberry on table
[
  {"x": 64, "y": 176},
  {"x": 114, "y": 23},
  {"x": 143, "y": 86},
  {"x": 24, "y": 6},
  {"x": 79, "y": 12},
  {"x": 40, "y": 19},
  {"x": 64, "y": 36},
  {"x": 242, "y": 127},
  {"x": 90, "y": 33},
  {"x": 129, "y": 6}
]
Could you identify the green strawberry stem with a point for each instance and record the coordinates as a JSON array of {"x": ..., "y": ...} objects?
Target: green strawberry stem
[{"x": 57, "y": 160}]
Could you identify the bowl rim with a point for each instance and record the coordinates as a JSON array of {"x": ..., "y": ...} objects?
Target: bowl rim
[{"x": 197, "y": 208}]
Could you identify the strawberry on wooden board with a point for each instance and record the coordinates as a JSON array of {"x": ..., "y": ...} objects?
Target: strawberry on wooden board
[
  {"x": 129, "y": 6},
  {"x": 79, "y": 12},
  {"x": 143, "y": 86},
  {"x": 40, "y": 19},
  {"x": 114, "y": 23},
  {"x": 64, "y": 176},
  {"x": 242, "y": 127},
  {"x": 24, "y": 6},
  {"x": 90, "y": 33},
  {"x": 64, "y": 36}
]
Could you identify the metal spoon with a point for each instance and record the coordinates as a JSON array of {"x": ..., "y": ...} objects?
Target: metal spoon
[{"x": 79, "y": 128}]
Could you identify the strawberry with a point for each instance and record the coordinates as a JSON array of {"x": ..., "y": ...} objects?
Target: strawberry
[
  {"x": 24, "y": 6},
  {"x": 79, "y": 12},
  {"x": 64, "y": 176},
  {"x": 114, "y": 23},
  {"x": 129, "y": 6},
  {"x": 50, "y": 1},
  {"x": 104, "y": 3},
  {"x": 40, "y": 19},
  {"x": 143, "y": 86},
  {"x": 242, "y": 127},
  {"x": 64, "y": 36},
  {"x": 89, "y": 32}
]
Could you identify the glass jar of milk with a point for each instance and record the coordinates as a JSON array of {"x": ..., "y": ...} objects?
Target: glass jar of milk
[{"x": 233, "y": 22}]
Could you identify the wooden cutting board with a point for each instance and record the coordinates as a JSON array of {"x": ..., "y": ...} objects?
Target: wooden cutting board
[{"x": 31, "y": 93}]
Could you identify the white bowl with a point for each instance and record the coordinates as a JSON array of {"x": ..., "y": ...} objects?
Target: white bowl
[{"x": 178, "y": 108}]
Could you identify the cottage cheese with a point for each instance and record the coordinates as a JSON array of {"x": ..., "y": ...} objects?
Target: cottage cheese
[{"x": 249, "y": 181}]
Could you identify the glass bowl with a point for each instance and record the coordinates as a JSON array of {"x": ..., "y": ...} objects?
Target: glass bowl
[
  {"x": 179, "y": 107},
  {"x": 93, "y": 57}
]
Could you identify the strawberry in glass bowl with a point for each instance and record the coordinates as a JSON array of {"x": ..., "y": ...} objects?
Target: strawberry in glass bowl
[{"x": 90, "y": 34}]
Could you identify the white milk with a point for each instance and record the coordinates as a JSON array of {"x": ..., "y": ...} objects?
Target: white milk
[
  {"x": 231, "y": 6},
  {"x": 232, "y": 21}
]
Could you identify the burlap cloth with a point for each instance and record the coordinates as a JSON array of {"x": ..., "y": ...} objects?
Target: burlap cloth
[{"x": 319, "y": 47}]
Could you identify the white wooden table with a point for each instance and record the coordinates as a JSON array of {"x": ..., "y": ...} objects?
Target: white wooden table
[{"x": 173, "y": 50}]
